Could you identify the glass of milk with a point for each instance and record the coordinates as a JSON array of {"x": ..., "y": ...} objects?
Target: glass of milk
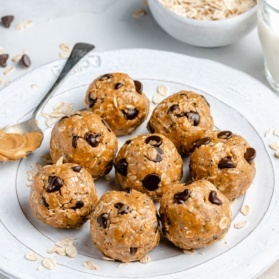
[{"x": 268, "y": 29}]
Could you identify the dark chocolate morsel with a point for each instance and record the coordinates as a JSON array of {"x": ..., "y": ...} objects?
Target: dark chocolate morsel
[
  {"x": 55, "y": 183},
  {"x": 91, "y": 101},
  {"x": 7, "y": 20},
  {"x": 44, "y": 202},
  {"x": 172, "y": 108},
  {"x": 3, "y": 59},
  {"x": 128, "y": 142},
  {"x": 153, "y": 140},
  {"x": 121, "y": 167},
  {"x": 122, "y": 208},
  {"x": 131, "y": 114},
  {"x": 226, "y": 163},
  {"x": 133, "y": 250},
  {"x": 151, "y": 182},
  {"x": 150, "y": 128},
  {"x": 92, "y": 139},
  {"x": 181, "y": 197},
  {"x": 79, "y": 204},
  {"x": 138, "y": 86},
  {"x": 74, "y": 141},
  {"x": 213, "y": 198},
  {"x": 224, "y": 135},
  {"x": 118, "y": 85},
  {"x": 193, "y": 117},
  {"x": 202, "y": 141},
  {"x": 25, "y": 61},
  {"x": 250, "y": 155},
  {"x": 106, "y": 77},
  {"x": 77, "y": 168},
  {"x": 102, "y": 220}
]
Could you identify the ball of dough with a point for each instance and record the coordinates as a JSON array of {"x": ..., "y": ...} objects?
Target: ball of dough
[
  {"x": 119, "y": 100},
  {"x": 194, "y": 215},
  {"x": 183, "y": 118},
  {"x": 148, "y": 163},
  {"x": 124, "y": 225},
  {"x": 85, "y": 139},
  {"x": 226, "y": 160},
  {"x": 63, "y": 196}
]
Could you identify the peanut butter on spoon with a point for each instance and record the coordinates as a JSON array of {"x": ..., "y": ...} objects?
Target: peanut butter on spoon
[{"x": 17, "y": 146}]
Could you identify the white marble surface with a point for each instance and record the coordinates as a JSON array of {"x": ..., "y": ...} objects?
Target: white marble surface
[{"x": 108, "y": 24}]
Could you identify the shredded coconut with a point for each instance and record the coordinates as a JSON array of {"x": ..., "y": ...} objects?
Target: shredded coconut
[{"x": 208, "y": 9}]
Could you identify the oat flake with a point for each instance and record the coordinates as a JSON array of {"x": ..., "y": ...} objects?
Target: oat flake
[
  {"x": 1, "y": 50},
  {"x": 276, "y": 132},
  {"x": 189, "y": 252},
  {"x": 16, "y": 58},
  {"x": 34, "y": 86},
  {"x": 277, "y": 154},
  {"x": 8, "y": 70},
  {"x": 145, "y": 259},
  {"x": 60, "y": 161},
  {"x": 163, "y": 90},
  {"x": 90, "y": 265},
  {"x": 108, "y": 259},
  {"x": 274, "y": 146},
  {"x": 49, "y": 263},
  {"x": 71, "y": 251},
  {"x": 245, "y": 209},
  {"x": 139, "y": 13},
  {"x": 240, "y": 225},
  {"x": 157, "y": 98},
  {"x": 31, "y": 256},
  {"x": 223, "y": 223},
  {"x": 268, "y": 133}
]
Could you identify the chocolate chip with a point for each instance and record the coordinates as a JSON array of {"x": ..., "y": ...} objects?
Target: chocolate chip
[
  {"x": 224, "y": 135},
  {"x": 76, "y": 168},
  {"x": 133, "y": 250},
  {"x": 55, "y": 183},
  {"x": 25, "y": 61},
  {"x": 205, "y": 100},
  {"x": 131, "y": 114},
  {"x": 92, "y": 139},
  {"x": 74, "y": 141},
  {"x": 150, "y": 128},
  {"x": 193, "y": 117},
  {"x": 3, "y": 59},
  {"x": 122, "y": 208},
  {"x": 173, "y": 108},
  {"x": 226, "y": 163},
  {"x": 7, "y": 20},
  {"x": 79, "y": 204},
  {"x": 151, "y": 182},
  {"x": 138, "y": 86},
  {"x": 127, "y": 142},
  {"x": 106, "y": 124},
  {"x": 44, "y": 202},
  {"x": 121, "y": 167},
  {"x": 181, "y": 197},
  {"x": 91, "y": 101},
  {"x": 106, "y": 77},
  {"x": 213, "y": 198},
  {"x": 102, "y": 220},
  {"x": 250, "y": 155},
  {"x": 153, "y": 140},
  {"x": 202, "y": 141},
  {"x": 118, "y": 85}
]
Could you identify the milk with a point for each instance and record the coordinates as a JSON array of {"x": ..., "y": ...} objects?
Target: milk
[{"x": 268, "y": 29}]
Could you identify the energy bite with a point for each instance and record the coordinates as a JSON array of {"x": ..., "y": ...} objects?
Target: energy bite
[
  {"x": 183, "y": 118},
  {"x": 85, "y": 139},
  {"x": 148, "y": 163},
  {"x": 124, "y": 225},
  {"x": 63, "y": 196},
  {"x": 226, "y": 160},
  {"x": 195, "y": 215},
  {"x": 119, "y": 100}
]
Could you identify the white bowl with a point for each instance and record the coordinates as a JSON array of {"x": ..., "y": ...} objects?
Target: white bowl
[{"x": 204, "y": 33}]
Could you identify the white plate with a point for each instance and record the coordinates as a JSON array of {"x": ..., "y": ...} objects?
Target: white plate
[{"x": 238, "y": 103}]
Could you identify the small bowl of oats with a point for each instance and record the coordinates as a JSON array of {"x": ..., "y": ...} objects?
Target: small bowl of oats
[{"x": 205, "y": 23}]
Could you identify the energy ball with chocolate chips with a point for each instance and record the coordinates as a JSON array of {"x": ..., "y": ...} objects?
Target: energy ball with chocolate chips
[
  {"x": 63, "y": 196},
  {"x": 195, "y": 215},
  {"x": 149, "y": 164},
  {"x": 119, "y": 100},
  {"x": 124, "y": 225},
  {"x": 226, "y": 160},
  {"x": 183, "y": 118},
  {"x": 85, "y": 139}
]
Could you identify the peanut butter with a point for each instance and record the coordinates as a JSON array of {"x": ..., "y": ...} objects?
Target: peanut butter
[{"x": 16, "y": 146}]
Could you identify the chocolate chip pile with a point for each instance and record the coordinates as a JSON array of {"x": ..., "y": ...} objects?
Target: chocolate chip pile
[{"x": 125, "y": 224}]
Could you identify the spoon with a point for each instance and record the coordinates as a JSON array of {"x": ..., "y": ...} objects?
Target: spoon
[{"x": 31, "y": 125}]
